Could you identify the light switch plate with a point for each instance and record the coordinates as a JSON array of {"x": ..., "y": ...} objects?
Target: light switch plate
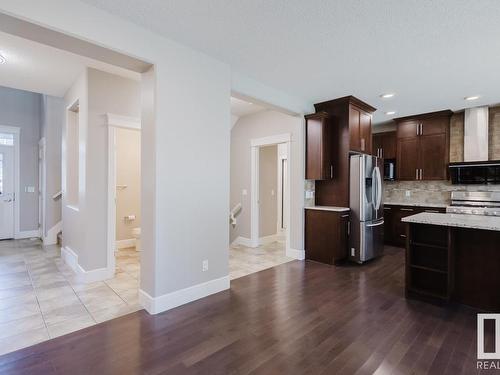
[{"x": 29, "y": 189}]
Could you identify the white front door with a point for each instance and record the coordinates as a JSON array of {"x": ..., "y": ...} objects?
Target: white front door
[{"x": 6, "y": 192}]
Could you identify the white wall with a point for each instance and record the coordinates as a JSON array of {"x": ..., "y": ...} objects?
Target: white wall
[
  {"x": 128, "y": 174},
  {"x": 186, "y": 134},
  {"x": 259, "y": 125}
]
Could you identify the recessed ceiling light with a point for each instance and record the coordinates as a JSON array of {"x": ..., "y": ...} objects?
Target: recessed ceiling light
[
  {"x": 3, "y": 60},
  {"x": 389, "y": 113},
  {"x": 387, "y": 96},
  {"x": 475, "y": 97}
]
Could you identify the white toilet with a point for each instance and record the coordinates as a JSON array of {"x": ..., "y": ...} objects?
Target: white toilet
[{"x": 136, "y": 233}]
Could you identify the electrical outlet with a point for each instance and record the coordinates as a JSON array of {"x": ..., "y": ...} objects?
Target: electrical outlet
[
  {"x": 205, "y": 265},
  {"x": 408, "y": 193}
]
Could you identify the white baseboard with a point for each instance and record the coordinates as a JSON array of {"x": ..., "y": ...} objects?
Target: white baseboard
[
  {"x": 155, "y": 305},
  {"x": 51, "y": 237},
  {"x": 243, "y": 241},
  {"x": 27, "y": 234},
  {"x": 296, "y": 254},
  {"x": 123, "y": 244},
  {"x": 71, "y": 259},
  {"x": 270, "y": 239}
]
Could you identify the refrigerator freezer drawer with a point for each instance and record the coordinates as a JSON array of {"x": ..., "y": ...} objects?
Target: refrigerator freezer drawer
[{"x": 366, "y": 241}]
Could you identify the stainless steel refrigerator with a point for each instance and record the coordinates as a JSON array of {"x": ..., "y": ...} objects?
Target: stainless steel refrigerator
[{"x": 366, "y": 240}]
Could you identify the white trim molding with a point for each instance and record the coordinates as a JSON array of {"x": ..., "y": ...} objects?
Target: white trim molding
[
  {"x": 244, "y": 241},
  {"x": 71, "y": 259},
  {"x": 17, "y": 179},
  {"x": 27, "y": 234},
  {"x": 51, "y": 237},
  {"x": 271, "y": 140},
  {"x": 155, "y": 305},
  {"x": 295, "y": 254},
  {"x": 120, "y": 121},
  {"x": 123, "y": 244},
  {"x": 266, "y": 240}
]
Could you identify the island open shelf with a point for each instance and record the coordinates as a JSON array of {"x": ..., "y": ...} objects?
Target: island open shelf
[{"x": 453, "y": 264}]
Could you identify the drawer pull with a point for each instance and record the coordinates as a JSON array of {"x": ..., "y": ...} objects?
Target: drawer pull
[
  {"x": 407, "y": 209},
  {"x": 432, "y": 211},
  {"x": 387, "y": 208},
  {"x": 403, "y": 235}
]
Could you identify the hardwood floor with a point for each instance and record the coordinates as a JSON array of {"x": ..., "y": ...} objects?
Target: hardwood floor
[{"x": 296, "y": 318}]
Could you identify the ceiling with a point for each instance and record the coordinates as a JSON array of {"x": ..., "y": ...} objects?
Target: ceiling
[
  {"x": 430, "y": 53},
  {"x": 39, "y": 68},
  {"x": 242, "y": 108}
]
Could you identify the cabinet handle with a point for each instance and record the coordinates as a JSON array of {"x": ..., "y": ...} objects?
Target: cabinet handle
[
  {"x": 416, "y": 174},
  {"x": 381, "y": 153},
  {"x": 421, "y": 129},
  {"x": 387, "y": 208},
  {"x": 402, "y": 235},
  {"x": 418, "y": 129},
  {"x": 348, "y": 228},
  {"x": 432, "y": 211},
  {"x": 407, "y": 209},
  {"x": 421, "y": 173},
  {"x": 331, "y": 171},
  {"x": 362, "y": 144}
]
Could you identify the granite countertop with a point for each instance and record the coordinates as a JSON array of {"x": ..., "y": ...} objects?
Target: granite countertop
[
  {"x": 328, "y": 208},
  {"x": 456, "y": 220},
  {"x": 417, "y": 204}
]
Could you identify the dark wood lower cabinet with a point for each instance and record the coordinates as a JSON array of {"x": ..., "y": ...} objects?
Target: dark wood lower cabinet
[
  {"x": 326, "y": 235},
  {"x": 394, "y": 229},
  {"x": 453, "y": 265}
]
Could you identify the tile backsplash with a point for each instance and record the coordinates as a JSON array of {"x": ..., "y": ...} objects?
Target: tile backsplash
[{"x": 438, "y": 192}]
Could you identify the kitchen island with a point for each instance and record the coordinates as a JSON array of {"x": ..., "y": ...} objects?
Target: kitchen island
[{"x": 454, "y": 258}]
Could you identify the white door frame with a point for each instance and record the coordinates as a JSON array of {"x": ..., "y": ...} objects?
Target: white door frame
[
  {"x": 17, "y": 157},
  {"x": 113, "y": 122},
  {"x": 42, "y": 186},
  {"x": 254, "y": 191},
  {"x": 282, "y": 203}
]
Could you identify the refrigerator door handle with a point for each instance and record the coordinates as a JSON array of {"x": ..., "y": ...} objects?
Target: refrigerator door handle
[
  {"x": 375, "y": 225},
  {"x": 378, "y": 179}
]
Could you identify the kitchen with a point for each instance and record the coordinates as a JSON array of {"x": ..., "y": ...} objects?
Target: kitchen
[{"x": 440, "y": 196}]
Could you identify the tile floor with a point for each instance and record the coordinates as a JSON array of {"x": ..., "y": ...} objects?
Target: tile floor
[
  {"x": 246, "y": 260},
  {"x": 40, "y": 297}
]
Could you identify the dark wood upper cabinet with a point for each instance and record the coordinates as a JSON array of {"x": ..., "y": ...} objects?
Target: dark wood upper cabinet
[
  {"x": 407, "y": 159},
  {"x": 318, "y": 147},
  {"x": 350, "y": 121},
  {"x": 384, "y": 145},
  {"x": 360, "y": 130},
  {"x": 423, "y": 146},
  {"x": 433, "y": 163}
]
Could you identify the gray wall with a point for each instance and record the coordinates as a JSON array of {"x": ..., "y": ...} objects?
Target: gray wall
[
  {"x": 51, "y": 129},
  {"x": 268, "y": 190},
  {"x": 23, "y": 109}
]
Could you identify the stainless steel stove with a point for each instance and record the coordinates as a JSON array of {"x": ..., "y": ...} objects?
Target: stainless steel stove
[{"x": 475, "y": 203}]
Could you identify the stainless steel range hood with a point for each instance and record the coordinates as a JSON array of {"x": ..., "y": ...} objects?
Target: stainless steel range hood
[{"x": 476, "y": 134}]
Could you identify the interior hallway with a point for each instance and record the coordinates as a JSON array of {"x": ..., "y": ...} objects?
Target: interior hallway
[{"x": 40, "y": 297}]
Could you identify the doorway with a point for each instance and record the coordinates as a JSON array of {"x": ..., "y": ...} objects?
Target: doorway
[
  {"x": 9, "y": 138},
  {"x": 124, "y": 194}
]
